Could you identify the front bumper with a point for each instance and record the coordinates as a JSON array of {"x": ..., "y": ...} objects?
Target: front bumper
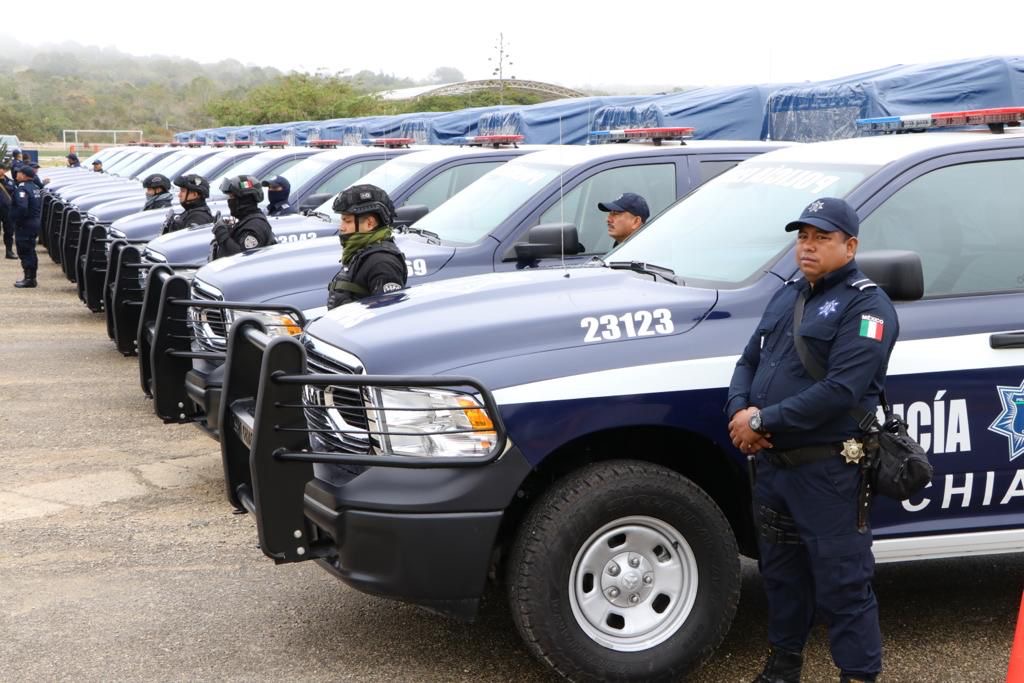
[{"x": 416, "y": 529}]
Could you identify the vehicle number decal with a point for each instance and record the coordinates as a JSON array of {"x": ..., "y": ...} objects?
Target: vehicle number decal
[
  {"x": 416, "y": 267},
  {"x": 633, "y": 324},
  {"x": 296, "y": 237}
]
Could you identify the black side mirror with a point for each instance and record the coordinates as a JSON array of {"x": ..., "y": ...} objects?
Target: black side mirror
[
  {"x": 313, "y": 201},
  {"x": 549, "y": 240},
  {"x": 409, "y": 214},
  {"x": 897, "y": 272}
]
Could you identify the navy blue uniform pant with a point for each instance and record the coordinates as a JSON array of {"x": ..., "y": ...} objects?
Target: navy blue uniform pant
[
  {"x": 8, "y": 228},
  {"x": 25, "y": 240},
  {"x": 829, "y": 573}
]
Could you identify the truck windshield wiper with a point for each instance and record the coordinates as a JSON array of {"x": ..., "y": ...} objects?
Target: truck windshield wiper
[
  {"x": 430, "y": 236},
  {"x": 654, "y": 271}
]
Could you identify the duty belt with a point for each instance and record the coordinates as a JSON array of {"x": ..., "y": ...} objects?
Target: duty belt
[{"x": 801, "y": 456}]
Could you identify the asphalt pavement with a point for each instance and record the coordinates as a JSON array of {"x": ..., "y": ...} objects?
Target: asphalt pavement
[{"x": 121, "y": 560}]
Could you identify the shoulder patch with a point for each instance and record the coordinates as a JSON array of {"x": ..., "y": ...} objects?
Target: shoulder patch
[
  {"x": 250, "y": 241},
  {"x": 392, "y": 287}
]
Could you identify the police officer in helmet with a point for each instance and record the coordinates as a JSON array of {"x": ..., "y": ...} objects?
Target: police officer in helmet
[
  {"x": 192, "y": 193},
  {"x": 250, "y": 228},
  {"x": 25, "y": 213},
  {"x": 371, "y": 261},
  {"x": 158, "y": 192},
  {"x": 816, "y": 361}
]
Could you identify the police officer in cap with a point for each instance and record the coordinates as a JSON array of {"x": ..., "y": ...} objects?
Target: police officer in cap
[
  {"x": 16, "y": 161},
  {"x": 158, "y": 192},
  {"x": 7, "y": 190},
  {"x": 625, "y": 215},
  {"x": 809, "y": 498},
  {"x": 192, "y": 194},
  {"x": 278, "y": 190},
  {"x": 250, "y": 228},
  {"x": 25, "y": 213},
  {"x": 73, "y": 161},
  {"x": 97, "y": 166},
  {"x": 371, "y": 261}
]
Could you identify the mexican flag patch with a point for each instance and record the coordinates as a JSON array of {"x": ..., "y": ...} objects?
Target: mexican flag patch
[{"x": 871, "y": 327}]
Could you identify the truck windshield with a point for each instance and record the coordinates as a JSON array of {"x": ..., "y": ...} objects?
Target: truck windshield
[
  {"x": 474, "y": 213},
  {"x": 388, "y": 176},
  {"x": 731, "y": 229}
]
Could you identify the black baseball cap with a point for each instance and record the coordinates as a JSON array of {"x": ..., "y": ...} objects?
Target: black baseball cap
[
  {"x": 278, "y": 180},
  {"x": 629, "y": 202},
  {"x": 97, "y": 162},
  {"x": 828, "y": 214},
  {"x": 27, "y": 169}
]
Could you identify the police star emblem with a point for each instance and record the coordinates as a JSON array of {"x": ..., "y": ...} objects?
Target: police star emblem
[
  {"x": 853, "y": 450},
  {"x": 815, "y": 206},
  {"x": 1010, "y": 422},
  {"x": 828, "y": 308}
]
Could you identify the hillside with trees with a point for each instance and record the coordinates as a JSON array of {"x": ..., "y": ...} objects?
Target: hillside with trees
[{"x": 71, "y": 86}]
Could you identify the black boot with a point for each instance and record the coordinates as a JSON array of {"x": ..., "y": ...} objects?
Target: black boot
[
  {"x": 782, "y": 667},
  {"x": 28, "y": 281},
  {"x": 10, "y": 254}
]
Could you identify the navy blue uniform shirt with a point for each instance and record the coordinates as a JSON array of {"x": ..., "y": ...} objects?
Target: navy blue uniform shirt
[
  {"x": 850, "y": 327},
  {"x": 27, "y": 206}
]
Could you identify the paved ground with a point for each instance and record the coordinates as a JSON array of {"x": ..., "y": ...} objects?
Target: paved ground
[{"x": 120, "y": 559}]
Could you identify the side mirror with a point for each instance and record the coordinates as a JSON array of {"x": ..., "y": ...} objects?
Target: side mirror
[
  {"x": 899, "y": 273},
  {"x": 313, "y": 201},
  {"x": 409, "y": 214},
  {"x": 549, "y": 240}
]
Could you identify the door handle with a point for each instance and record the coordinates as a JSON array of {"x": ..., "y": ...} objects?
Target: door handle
[{"x": 1007, "y": 340}]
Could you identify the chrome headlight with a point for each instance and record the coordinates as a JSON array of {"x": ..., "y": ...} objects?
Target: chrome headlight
[
  {"x": 430, "y": 423},
  {"x": 278, "y": 324}
]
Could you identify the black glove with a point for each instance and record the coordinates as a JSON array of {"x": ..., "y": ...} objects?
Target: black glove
[{"x": 220, "y": 228}]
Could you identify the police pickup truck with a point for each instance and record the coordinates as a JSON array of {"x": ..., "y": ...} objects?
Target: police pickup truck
[
  {"x": 563, "y": 428},
  {"x": 418, "y": 184},
  {"x": 539, "y": 209},
  {"x": 312, "y": 179}
]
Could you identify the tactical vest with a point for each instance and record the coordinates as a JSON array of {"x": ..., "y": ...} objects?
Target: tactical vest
[
  {"x": 266, "y": 234},
  {"x": 197, "y": 215},
  {"x": 343, "y": 288}
]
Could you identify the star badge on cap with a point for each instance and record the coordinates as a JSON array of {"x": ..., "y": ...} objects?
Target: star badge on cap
[{"x": 815, "y": 207}]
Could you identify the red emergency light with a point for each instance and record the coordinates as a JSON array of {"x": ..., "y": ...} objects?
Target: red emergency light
[
  {"x": 273, "y": 143},
  {"x": 493, "y": 140},
  {"x": 242, "y": 143},
  {"x": 389, "y": 142},
  {"x": 323, "y": 144}
]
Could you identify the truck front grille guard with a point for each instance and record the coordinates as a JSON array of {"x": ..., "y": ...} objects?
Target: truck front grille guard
[
  {"x": 265, "y": 434},
  {"x": 166, "y": 339}
]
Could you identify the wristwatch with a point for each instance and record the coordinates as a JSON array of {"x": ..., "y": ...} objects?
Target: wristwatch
[{"x": 755, "y": 422}]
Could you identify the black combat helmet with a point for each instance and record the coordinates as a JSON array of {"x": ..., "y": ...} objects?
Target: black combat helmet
[
  {"x": 243, "y": 186},
  {"x": 157, "y": 181},
  {"x": 195, "y": 183},
  {"x": 360, "y": 200}
]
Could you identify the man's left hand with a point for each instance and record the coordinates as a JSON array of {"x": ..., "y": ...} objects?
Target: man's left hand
[{"x": 745, "y": 438}]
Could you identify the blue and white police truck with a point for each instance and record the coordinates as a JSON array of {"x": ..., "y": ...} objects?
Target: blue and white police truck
[
  {"x": 563, "y": 429},
  {"x": 535, "y": 210}
]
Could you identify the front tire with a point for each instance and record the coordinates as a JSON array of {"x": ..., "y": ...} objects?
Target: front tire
[{"x": 624, "y": 570}]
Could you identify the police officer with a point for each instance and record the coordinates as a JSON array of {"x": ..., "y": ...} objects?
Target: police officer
[
  {"x": 625, "y": 215},
  {"x": 16, "y": 161},
  {"x": 250, "y": 228},
  {"x": 371, "y": 261},
  {"x": 192, "y": 193},
  {"x": 25, "y": 213},
  {"x": 809, "y": 501},
  {"x": 278, "y": 190},
  {"x": 158, "y": 192},
  {"x": 97, "y": 166},
  {"x": 73, "y": 161},
  {"x": 7, "y": 190}
]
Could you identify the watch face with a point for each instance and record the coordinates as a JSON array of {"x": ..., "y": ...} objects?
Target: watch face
[{"x": 755, "y": 422}]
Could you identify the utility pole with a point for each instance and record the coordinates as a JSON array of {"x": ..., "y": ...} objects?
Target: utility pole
[{"x": 504, "y": 59}]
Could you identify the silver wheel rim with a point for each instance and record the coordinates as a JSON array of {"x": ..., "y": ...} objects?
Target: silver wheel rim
[{"x": 633, "y": 583}]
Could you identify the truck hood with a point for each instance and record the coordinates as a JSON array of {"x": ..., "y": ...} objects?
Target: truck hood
[
  {"x": 93, "y": 200},
  {"x": 285, "y": 270},
  {"x": 193, "y": 245},
  {"x": 441, "y": 326},
  {"x": 145, "y": 225}
]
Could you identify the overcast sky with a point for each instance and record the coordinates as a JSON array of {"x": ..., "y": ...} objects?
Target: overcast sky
[{"x": 650, "y": 43}]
